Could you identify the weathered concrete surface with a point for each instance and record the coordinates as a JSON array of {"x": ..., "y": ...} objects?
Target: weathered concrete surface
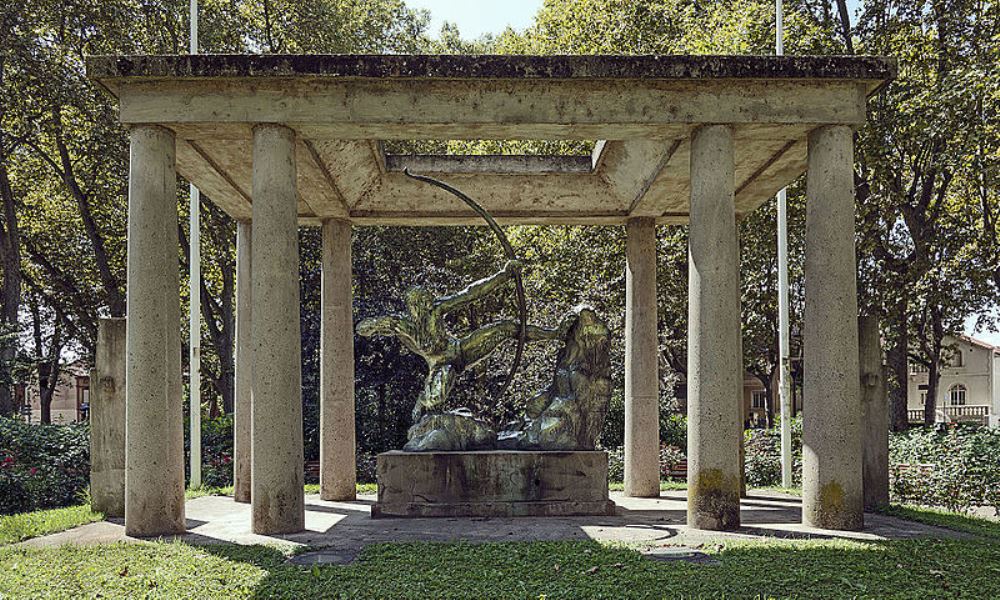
[
  {"x": 874, "y": 414},
  {"x": 499, "y": 483},
  {"x": 107, "y": 419},
  {"x": 276, "y": 478},
  {"x": 337, "y": 471},
  {"x": 154, "y": 434},
  {"x": 342, "y": 105},
  {"x": 641, "y": 521},
  {"x": 715, "y": 358},
  {"x": 243, "y": 376},
  {"x": 449, "y": 66},
  {"x": 642, "y": 381},
  {"x": 831, "y": 415}
]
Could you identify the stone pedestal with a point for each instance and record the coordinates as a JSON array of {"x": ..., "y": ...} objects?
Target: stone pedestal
[
  {"x": 492, "y": 484},
  {"x": 107, "y": 419}
]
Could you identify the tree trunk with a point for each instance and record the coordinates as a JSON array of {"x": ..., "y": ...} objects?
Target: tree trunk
[
  {"x": 10, "y": 289},
  {"x": 930, "y": 404},
  {"x": 45, "y": 392},
  {"x": 897, "y": 358}
]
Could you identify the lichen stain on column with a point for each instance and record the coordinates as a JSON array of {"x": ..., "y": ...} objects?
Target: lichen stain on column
[{"x": 716, "y": 500}]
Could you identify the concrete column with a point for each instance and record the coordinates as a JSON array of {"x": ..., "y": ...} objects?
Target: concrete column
[
  {"x": 278, "y": 503},
  {"x": 243, "y": 376},
  {"x": 715, "y": 361},
  {"x": 642, "y": 421},
  {"x": 107, "y": 419},
  {"x": 831, "y": 456},
  {"x": 337, "y": 470},
  {"x": 874, "y": 415},
  {"x": 154, "y": 424}
]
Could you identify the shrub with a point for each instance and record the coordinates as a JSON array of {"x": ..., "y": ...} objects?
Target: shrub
[
  {"x": 673, "y": 430},
  {"x": 616, "y": 465},
  {"x": 762, "y": 455},
  {"x": 670, "y": 457},
  {"x": 961, "y": 467},
  {"x": 216, "y": 452},
  {"x": 42, "y": 466}
]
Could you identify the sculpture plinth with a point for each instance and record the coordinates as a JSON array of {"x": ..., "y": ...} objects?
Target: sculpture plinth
[{"x": 498, "y": 483}]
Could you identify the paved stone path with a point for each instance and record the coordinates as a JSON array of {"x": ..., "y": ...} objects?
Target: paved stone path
[{"x": 643, "y": 521}]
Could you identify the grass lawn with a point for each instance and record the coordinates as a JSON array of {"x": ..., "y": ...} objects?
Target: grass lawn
[
  {"x": 776, "y": 568},
  {"x": 15, "y": 528},
  {"x": 780, "y": 568}
]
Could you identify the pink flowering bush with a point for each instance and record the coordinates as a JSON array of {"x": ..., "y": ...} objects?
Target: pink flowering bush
[{"x": 42, "y": 466}]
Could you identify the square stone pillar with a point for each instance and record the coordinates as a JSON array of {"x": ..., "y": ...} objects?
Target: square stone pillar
[
  {"x": 642, "y": 381},
  {"x": 243, "y": 375},
  {"x": 277, "y": 499},
  {"x": 107, "y": 419},
  {"x": 715, "y": 360},
  {"x": 337, "y": 472},
  {"x": 874, "y": 415},
  {"x": 832, "y": 496},
  {"x": 154, "y": 423}
]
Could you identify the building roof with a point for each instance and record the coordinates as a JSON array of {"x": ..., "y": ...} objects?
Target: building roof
[
  {"x": 401, "y": 66},
  {"x": 980, "y": 343},
  {"x": 639, "y": 112}
]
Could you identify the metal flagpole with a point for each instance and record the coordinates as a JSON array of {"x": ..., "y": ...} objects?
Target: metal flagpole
[
  {"x": 194, "y": 282},
  {"x": 785, "y": 371}
]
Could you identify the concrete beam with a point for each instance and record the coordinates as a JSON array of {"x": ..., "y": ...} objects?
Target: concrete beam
[
  {"x": 715, "y": 359},
  {"x": 277, "y": 499},
  {"x": 107, "y": 419},
  {"x": 556, "y": 193},
  {"x": 832, "y": 494},
  {"x": 504, "y": 109},
  {"x": 493, "y": 164},
  {"x": 212, "y": 179},
  {"x": 154, "y": 424}
]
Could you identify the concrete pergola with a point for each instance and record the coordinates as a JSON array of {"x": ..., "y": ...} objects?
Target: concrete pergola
[{"x": 283, "y": 141}]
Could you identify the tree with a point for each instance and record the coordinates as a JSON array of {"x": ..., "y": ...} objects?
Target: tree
[{"x": 922, "y": 128}]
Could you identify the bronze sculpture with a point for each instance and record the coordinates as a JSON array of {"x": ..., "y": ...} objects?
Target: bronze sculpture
[
  {"x": 422, "y": 330},
  {"x": 568, "y": 415}
]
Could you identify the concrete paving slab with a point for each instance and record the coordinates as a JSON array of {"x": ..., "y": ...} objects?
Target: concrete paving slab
[{"x": 348, "y": 526}]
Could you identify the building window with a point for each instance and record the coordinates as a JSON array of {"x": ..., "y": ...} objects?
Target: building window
[
  {"x": 956, "y": 395},
  {"x": 955, "y": 360},
  {"x": 758, "y": 399}
]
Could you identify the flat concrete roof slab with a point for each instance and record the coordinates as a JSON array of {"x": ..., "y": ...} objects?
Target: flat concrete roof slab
[
  {"x": 641, "y": 111},
  {"x": 487, "y": 66}
]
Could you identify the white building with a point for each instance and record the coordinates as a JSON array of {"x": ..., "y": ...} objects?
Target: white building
[{"x": 969, "y": 389}]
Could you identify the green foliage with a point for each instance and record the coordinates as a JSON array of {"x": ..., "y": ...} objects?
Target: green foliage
[
  {"x": 23, "y": 526},
  {"x": 216, "y": 451},
  {"x": 42, "y": 466},
  {"x": 762, "y": 453},
  {"x": 776, "y": 568},
  {"x": 670, "y": 457},
  {"x": 963, "y": 467}
]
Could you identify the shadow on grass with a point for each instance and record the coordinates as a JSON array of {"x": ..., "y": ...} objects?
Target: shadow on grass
[{"x": 804, "y": 569}]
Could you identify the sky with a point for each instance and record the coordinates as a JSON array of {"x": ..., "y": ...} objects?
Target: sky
[{"x": 476, "y": 17}]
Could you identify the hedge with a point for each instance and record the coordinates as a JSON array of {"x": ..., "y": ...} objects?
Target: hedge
[
  {"x": 956, "y": 467},
  {"x": 42, "y": 466}
]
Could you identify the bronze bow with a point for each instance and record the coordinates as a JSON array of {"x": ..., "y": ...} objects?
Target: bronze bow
[{"x": 522, "y": 306}]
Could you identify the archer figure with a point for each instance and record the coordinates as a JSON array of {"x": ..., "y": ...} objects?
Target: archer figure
[{"x": 422, "y": 330}]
